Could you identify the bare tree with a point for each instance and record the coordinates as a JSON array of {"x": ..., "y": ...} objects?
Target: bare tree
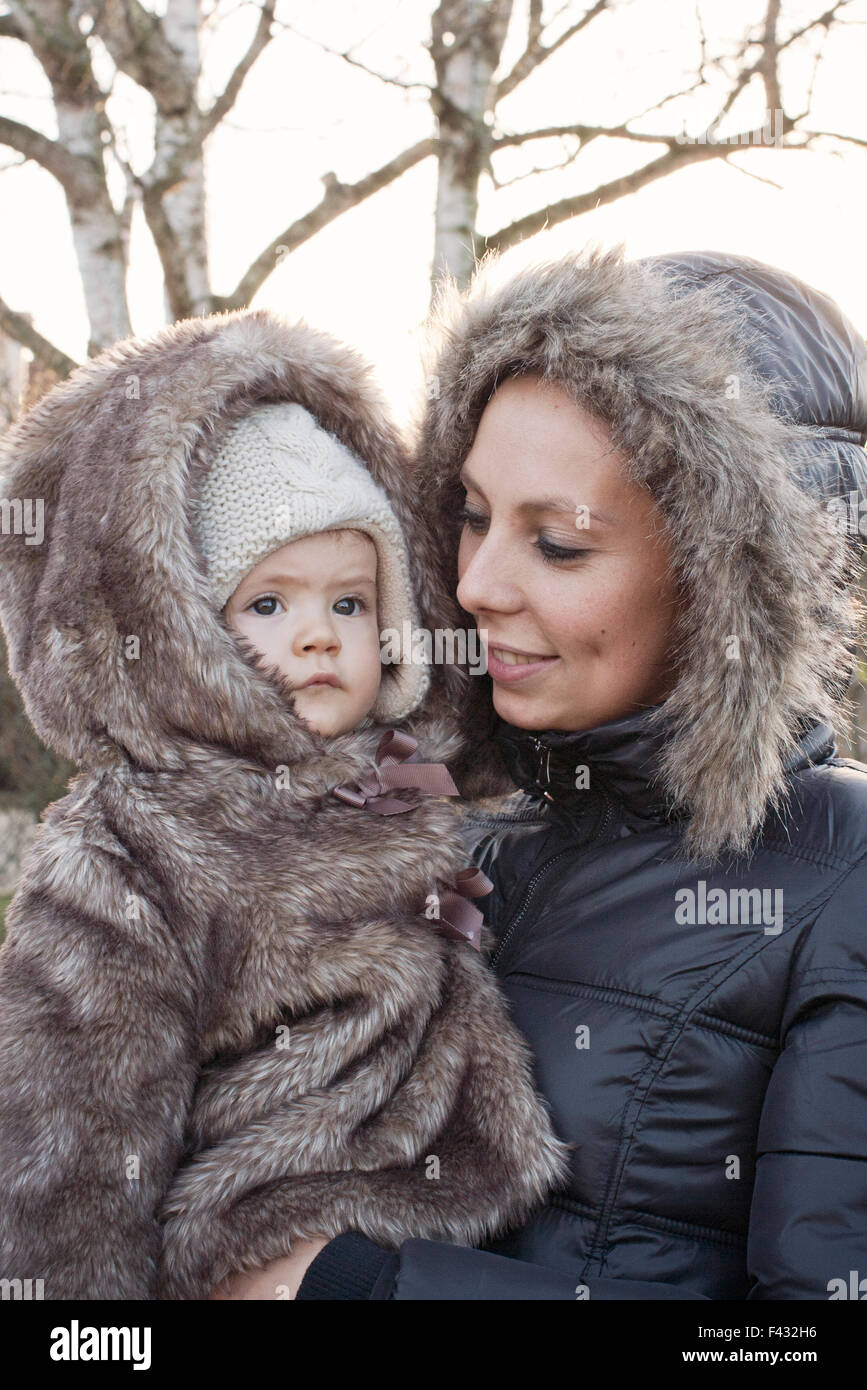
[
  {"x": 162, "y": 56},
  {"x": 465, "y": 87},
  {"x": 467, "y": 39}
]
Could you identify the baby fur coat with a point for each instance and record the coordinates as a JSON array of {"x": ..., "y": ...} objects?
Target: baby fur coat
[{"x": 225, "y": 1021}]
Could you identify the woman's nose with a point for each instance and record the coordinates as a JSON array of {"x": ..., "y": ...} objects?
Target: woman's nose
[{"x": 482, "y": 586}]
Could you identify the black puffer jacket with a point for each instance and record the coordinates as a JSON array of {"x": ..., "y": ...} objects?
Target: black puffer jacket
[
  {"x": 699, "y": 1022},
  {"x": 708, "y": 1050}
]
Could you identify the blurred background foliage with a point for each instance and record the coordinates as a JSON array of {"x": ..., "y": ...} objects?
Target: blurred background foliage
[{"x": 31, "y": 775}]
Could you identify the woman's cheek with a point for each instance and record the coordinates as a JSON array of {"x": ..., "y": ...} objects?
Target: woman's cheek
[{"x": 591, "y": 617}]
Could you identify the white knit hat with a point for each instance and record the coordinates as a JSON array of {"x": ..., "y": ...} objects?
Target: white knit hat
[{"x": 278, "y": 476}]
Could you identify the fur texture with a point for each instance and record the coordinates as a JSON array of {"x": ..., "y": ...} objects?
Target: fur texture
[
  {"x": 669, "y": 372},
  {"x": 224, "y": 1021}
]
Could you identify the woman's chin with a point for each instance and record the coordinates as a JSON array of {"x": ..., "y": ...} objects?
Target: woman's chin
[{"x": 522, "y": 709}]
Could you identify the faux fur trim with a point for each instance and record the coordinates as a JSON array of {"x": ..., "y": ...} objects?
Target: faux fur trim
[
  {"x": 752, "y": 548},
  {"x": 116, "y": 454}
]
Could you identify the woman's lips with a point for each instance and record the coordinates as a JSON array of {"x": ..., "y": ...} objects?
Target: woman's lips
[{"x": 518, "y": 666}]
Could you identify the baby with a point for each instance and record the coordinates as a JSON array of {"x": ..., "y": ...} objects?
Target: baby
[
  {"x": 242, "y": 1002},
  {"x": 294, "y": 578}
]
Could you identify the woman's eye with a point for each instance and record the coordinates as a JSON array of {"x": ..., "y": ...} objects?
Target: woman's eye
[
  {"x": 261, "y": 606},
  {"x": 350, "y": 598},
  {"x": 476, "y": 521},
  {"x": 552, "y": 553}
]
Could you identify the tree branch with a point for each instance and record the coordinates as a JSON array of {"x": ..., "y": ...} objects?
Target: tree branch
[
  {"x": 570, "y": 158},
  {"x": 760, "y": 65},
  {"x": 748, "y": 173},
  {"x": 66, "y": 168},
  {"x": 338, "y": 198},
  {"x": 588, "y": 133},
  {"x": 169, "y": 252},
  {"x": 535, "y": 23},
  {"x": 584, "y": 133},
  {"x": 674, "y": 158},
  {"x": 18, "y": 327},
  {"x": 224, "y": 103},
  {"x": 137, "y": 42},
  {"x": 770, "y": 57},
  {"x": 833, "y": 135},
  {"x": 346, "y": 55},
  {"x": 536, "y": 52}
]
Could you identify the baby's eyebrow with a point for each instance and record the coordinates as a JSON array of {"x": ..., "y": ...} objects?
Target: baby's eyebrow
[{"x": 356, "y": 579}]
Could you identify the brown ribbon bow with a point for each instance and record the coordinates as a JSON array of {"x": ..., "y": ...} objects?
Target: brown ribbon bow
[
  {"x": 396, "y": 766},
  {"x": 457, "y": 916}
]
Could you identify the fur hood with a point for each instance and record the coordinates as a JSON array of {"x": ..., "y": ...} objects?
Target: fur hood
[
  {"x": 739, "y": 396},
  {"x": 119, "y": 572}
]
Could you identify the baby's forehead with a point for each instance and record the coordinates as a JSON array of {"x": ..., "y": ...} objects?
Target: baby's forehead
[{"x": 331, "y": 554}]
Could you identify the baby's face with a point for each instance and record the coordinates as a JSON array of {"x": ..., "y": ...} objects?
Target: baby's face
[{"x": 310, "y": 610}]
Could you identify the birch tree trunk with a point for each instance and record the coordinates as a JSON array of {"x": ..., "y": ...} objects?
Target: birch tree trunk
[
  {"x": 467, "y": 39},
  {"x": 179, "y": 168},
  {"x": 52, "y": 30}
]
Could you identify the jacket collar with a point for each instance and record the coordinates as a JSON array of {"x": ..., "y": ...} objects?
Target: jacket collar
[{"x": 622, "y": 759}]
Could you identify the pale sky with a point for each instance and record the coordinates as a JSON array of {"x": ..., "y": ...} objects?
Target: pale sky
[{"x": 365, "y": 278}]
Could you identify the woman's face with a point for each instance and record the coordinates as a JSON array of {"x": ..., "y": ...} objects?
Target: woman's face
[{"x": 573, "y": 596}]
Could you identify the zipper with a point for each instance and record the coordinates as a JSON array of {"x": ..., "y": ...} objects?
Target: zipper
[
  {"x": 606, "y": 821},
  {"x": 504, "y": 940},
  {"x": 543, "y": 754},
  {"x": 540, "y": 874}
]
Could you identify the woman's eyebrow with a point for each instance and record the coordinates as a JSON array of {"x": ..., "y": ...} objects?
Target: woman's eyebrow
[
  {"x": 552, "y": 502},
  {"x": 556, "y": 502}
]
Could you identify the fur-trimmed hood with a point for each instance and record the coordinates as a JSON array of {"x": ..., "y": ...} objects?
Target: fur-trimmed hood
[
  {"x": 739, "y": 396},
  {"x": 111, "y": 637}
]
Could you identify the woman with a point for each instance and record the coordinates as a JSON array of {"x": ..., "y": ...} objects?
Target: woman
[{"x": 641, "y": 457}]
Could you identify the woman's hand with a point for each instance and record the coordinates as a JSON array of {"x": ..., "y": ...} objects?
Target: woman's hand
[{"x": 280, "y": 1278}]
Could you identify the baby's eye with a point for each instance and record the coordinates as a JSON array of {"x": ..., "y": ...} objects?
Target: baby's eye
[
  {"x": 350, "y": 598},
  {"x": 261, "y": 606}
]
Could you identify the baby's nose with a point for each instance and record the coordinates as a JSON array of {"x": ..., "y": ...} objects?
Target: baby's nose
[{"x": 317, "y": 634}]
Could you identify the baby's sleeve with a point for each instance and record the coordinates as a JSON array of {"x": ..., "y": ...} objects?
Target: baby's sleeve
[{"x": 97, "y": 1070}]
